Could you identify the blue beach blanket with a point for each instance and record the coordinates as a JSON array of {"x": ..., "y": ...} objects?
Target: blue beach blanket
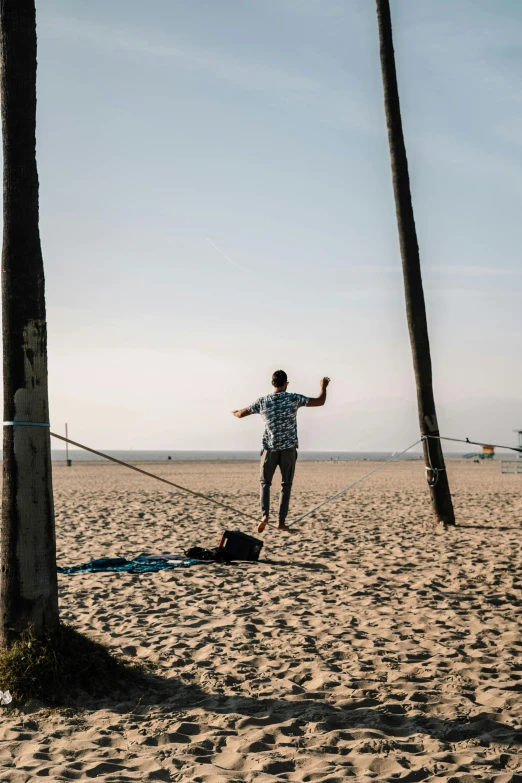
[{"x": 139, "y": 565}]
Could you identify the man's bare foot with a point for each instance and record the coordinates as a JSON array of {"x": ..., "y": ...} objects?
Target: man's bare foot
[
  {"x": 284, "y": 528},
  {"x": 263, "y": 524}
]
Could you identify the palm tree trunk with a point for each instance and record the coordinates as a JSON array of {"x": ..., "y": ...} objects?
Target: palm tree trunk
[
  {"x": 415, "y": 306},
  {"x": 28, "y": 582}
]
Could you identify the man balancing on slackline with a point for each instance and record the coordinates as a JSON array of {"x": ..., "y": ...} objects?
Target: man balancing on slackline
[{"x": 279, "y": 411}]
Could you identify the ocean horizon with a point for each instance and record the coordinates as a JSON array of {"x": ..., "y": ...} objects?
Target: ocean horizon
[{"x": 202, "y": 455}]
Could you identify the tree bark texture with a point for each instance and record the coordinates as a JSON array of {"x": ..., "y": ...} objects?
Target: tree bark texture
[
  {"x": 28, "y": 582},
  {"x": 414, "y": 293}
]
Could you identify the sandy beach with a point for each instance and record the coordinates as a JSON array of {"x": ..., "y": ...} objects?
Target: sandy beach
[{"x": 367, "y": 645}]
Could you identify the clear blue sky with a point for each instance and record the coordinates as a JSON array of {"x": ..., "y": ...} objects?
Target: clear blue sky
[{"x": 260, "y": 127}]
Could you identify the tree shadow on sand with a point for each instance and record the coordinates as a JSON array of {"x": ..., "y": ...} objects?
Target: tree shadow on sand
[
  {"x": 488, "y": 527},
  {"x": 293, "y": 564},
  {"x": 387, "y": 720}
]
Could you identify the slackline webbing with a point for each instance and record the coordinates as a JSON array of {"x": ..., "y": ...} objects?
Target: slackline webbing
[
  {"x": 471, "y": 442},
  {"x": 159, "y": 478},
  {"x": 307, "y": 513},
  {"x": 342, "y": 491},
  {"x": 218, "y": 502}
]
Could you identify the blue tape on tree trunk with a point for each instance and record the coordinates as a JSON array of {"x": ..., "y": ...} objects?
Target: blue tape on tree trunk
[{"x": 25, "y": 424}]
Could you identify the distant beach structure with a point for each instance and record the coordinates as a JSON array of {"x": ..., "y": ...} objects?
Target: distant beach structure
[
  {"x": 519, "y": 433},
  {"x": 488, "y": 452},
  {"x": 513, "y": 465}
]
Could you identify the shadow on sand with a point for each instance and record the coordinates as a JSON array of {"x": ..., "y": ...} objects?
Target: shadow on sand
[
  {"x": 487, "y": 527},
  {"x": 293, "y": 564},
  {"x": 387, "y": 720}
]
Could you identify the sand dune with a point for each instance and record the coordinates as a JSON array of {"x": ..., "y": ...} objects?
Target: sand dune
[{"x": 368, "y": 645}]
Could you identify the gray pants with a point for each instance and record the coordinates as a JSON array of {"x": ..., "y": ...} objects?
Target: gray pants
[{"x": 286, "y": 459}]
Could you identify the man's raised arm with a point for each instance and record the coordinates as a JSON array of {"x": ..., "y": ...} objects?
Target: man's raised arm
[
  {"x": 240, "y": 414},
  {"x": 316, "y": 402}
]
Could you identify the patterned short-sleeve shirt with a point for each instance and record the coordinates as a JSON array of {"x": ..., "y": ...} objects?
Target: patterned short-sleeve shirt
[{"x": 279, "y": 411}]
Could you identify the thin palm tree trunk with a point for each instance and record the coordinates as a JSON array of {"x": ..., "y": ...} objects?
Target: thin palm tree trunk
[
  {"x": 414, "y": 293},
  {"x": 28, "y": 582}
]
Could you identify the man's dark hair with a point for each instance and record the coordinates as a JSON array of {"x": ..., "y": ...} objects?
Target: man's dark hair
[{"x": 279, "y": 378}]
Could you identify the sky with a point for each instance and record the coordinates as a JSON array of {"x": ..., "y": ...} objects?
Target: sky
[{"x": 216, "y": 203}]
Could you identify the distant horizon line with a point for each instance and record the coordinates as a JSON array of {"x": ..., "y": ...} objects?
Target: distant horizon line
[
  {"x": 256, "y": 452},
  {"x": 246, "y": 451}
]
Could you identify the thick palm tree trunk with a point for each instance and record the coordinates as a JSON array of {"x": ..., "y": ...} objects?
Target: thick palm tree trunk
[
  {"x": 415, "y": 306},
  {"x": 28, "y": 583}
]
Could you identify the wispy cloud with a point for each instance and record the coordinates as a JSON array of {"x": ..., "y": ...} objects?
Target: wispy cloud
[
  {"x": 481, "y": 41},
  {"x": 511, "y": 130},
  {"x": 326, "y": 9},
  {"x": 476, "y": 160},
  {"x": 468, "y": 54},
  {"x": 324, "y": 103},
  {"x": 230, "y": 261},
  {"x": 188, "y": 56},
  {"x": 472, "y": 271}
]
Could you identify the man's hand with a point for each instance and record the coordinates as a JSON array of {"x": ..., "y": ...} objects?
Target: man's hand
[
  {"x": 240, "y": 414},
  {"x": 316, "y": 402}
]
